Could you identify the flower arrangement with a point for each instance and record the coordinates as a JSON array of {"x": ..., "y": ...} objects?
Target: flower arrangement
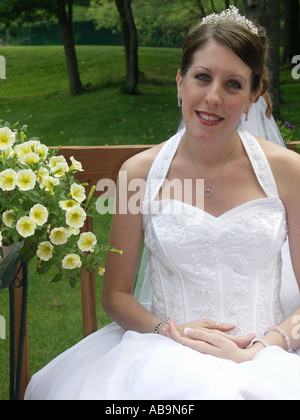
[
  {"x": 43, "y": 207},
  {"x": 287, "y": 130}
]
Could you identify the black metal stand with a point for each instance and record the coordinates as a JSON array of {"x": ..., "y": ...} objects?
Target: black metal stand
[{"x": 12, "y": 279}]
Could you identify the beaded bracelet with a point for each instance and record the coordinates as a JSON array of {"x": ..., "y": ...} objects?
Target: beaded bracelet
[
  {"x": 284, "y": 335},
  {"x": 156, "y": 329}
]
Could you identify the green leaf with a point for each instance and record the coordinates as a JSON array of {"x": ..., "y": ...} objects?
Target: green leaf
[
  {"x": 28, "y": 251},
  {"x": 15, "y": 237},
  {"x": 44, "y": 267},
  {"x": 57, "y": 278},
  {"x": 73, "y": 282},
  {"x": 32, "y": 195}
]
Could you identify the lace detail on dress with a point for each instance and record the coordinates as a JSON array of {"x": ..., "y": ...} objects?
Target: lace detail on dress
[
  {"x": 206, "y": 273},
  {"x": 158, "y": 173},
  {"x": 130, "y": 377},
  {"x": 259, "y": 162},
  {"x": 226, "y": 268}
]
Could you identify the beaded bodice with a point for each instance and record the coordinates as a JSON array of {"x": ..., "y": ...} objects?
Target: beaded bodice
[{"x": 226, "y": 268}]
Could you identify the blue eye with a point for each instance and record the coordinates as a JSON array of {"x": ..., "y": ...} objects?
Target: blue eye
[
  {"x": 203, "y": 77},
  {"x": 233, "y": 84}
]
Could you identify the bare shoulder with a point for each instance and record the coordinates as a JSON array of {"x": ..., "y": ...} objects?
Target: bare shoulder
[
  {"x": 138, "y": 166},
  {"x": 285, "y": 165}
]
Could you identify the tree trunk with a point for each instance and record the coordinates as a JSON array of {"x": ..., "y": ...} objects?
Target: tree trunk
[
  {"x": 291, "y": 30},
  {"x": 267, "y": 14},
  {"x": 130, "y": 43},
  {"x": 201, "y": 8},
  {"x": 65, "y": 20}
]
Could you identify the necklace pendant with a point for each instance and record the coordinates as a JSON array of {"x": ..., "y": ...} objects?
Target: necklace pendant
[{"x": 208, "y": 192}]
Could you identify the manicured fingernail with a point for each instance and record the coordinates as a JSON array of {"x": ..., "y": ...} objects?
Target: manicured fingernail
[{"x": 188, "y": 331}]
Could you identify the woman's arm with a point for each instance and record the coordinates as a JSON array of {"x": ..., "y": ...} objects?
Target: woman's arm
[
  {"x": 287, "y": 175},
  {"x": 126, "y": 234}
]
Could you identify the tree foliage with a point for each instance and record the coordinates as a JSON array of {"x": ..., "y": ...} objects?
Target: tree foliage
[
  {"x": 158, "y": 23},
  {"x": 267, "y": 14},
  {"x": 18, "y": 12},
  {"x": 291, "y": 15}
]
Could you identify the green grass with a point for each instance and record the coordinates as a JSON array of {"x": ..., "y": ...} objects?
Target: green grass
[
  {"x": 36, "y": 93},
  {"x": 290, "y": 91}
]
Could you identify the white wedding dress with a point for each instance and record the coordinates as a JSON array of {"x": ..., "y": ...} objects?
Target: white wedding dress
[{"x": 226, "y": 268}]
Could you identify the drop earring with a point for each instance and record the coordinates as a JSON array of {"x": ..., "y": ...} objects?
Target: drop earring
[
  {"x": 179, "y": 101},
  {"x": 246, "y": 116}
]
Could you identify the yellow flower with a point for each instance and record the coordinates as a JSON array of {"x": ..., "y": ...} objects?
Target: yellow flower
[
  {"x": 7, "y": 138},
  {"x": 76, "y": 166},
  {"x": 8, "y": 180},
  {"x": 44, "y": 251},
  {"x": 55, "y": 160},
  {"x": 78, "y": 192},
  {"x": 8, "y": 152},
  {"x": 71, "y": 261},
  {"x": 8, "y": 218},
  {"x": 34, "y": 144},
  {"x": 68, "y": 204},
  {"x": 59, "y": 236},
  {"x": 87, "y": 242},
  {"x": 73, "y": 231},
  {"x": 30, "y": 158},
  {"x": 75, "y": 217},
  {"x": 42, "y": 151},
  {"x": 60, "y": 169},
  {"x": 26, "y": 147},
  {"x": 39, "y": 213},
  {"x": 26, "y": 179},
  {"x": 42, "y": 174},
  {"x": 101, "y": 270},
  {"x": 49, "y": 183},
  {"x": 26, "y": 226}
]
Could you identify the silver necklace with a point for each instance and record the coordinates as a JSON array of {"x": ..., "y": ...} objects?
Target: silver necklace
[{"x": 208, "y": 191}]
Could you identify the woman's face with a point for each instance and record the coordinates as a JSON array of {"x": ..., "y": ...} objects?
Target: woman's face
[{"x": 215, "y": 92}]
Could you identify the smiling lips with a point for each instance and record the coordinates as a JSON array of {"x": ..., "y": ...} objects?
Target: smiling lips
[{"x": 207, "y": 118}]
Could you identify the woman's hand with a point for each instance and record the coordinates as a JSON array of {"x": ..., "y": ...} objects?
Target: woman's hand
[
  {"x": 202, "y": 336},
  {"x": 206, "y": 323}
]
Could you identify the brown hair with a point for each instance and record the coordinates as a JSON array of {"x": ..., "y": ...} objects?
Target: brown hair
[{"x": 251, "y": 48}]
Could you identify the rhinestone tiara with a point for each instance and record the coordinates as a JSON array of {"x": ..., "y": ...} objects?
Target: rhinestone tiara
[{"x": 230, "y": 15}]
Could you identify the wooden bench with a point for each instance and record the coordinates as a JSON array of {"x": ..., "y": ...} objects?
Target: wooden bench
[
  {"x": 293, "y": 144},
  {"x": 99, "y": 162}
]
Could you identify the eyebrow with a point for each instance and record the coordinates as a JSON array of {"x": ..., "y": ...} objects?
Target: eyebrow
[{"x": 230, "y": 75}]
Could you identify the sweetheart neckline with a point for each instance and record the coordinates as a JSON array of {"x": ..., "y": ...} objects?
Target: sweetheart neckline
[{"x": 226, "y": 215}]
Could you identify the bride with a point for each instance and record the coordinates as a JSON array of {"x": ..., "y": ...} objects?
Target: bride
[{"x": 216, "y": 327}]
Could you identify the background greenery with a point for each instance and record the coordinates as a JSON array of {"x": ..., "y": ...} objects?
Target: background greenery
[
  {"x": 35, "y": 93},
  {"x": 36, "y": 87}
]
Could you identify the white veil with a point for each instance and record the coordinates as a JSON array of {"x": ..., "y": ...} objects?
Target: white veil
[{"x": 258, "y": 125}]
